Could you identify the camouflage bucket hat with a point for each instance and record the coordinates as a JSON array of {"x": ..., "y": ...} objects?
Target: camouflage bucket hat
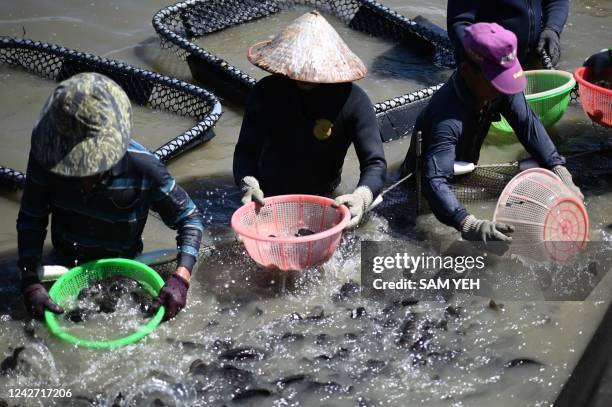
[{"x": 84, "y": 128}]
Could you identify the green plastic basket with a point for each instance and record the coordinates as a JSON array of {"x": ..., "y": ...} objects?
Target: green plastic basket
[
  {"x": 548, "y": 94},
  {"x": 70, "y": 284}
]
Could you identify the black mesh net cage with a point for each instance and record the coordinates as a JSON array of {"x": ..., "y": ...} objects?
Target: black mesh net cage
[
  {"x": 183, "y": 22},
  {"x": 144, "y": 88}
]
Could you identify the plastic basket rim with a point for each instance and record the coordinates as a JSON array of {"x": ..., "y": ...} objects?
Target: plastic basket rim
[
  {"x": 141, "y": 332},
  {"x": 504, "y": 127},
  {"x": 579, "y": 76},
  {"x": 559, "y": 90},
  {"x": 241, "y": 231},
  {"x": 569, "y": 198}
]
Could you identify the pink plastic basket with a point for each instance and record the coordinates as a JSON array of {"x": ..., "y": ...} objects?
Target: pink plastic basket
[
  {"x": 269, "y": 232},
  {"x": 543, "y": 210}
]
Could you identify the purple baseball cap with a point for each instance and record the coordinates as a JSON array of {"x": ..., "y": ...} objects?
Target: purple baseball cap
[{"x": 494, "y": 48}]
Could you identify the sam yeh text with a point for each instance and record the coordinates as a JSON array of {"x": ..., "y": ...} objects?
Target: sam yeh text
[{"x": 428, "y": 284}]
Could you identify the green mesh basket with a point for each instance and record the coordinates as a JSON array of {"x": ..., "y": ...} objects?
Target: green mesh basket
[
  {"x": 548, "y": 94},
  {"x": 70, "y": 284}
]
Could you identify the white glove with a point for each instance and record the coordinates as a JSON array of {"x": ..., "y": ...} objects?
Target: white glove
[
  {"x": 481, "y": 230},
  {"x": 357, "y": 203},
  {"x": 251, "y": 191},
  {"x": 566, "y": 177}
]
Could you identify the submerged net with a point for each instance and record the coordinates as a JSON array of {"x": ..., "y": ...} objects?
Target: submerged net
[
  {"x": 144, "y": 88},
  {"x": 486, "y": 183},
  {"x": 180, "y": 23}
]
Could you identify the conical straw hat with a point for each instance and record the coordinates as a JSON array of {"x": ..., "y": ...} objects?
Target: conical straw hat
[{"x": 308, "y": 50}]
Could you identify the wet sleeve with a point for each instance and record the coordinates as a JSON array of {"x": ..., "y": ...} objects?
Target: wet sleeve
[
  {"x": 437, "y": 174},
  {"x": 368, "y": 144},
  {"x": 178, "y": 212},
  {"x": 251, "y": 139},
  {"x": 33, "y": 217},
  {"x": 460, "y": 14},
  {"x": 554, "y": 14},
  {"x": 530, "y": 131}
]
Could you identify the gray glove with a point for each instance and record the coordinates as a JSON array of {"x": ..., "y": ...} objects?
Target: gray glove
[
  {"x": 357, "y": 203},
  {"x": 484, "y": 230},
  {"x": 566, "y": 177},
  {"x": 251, "y": 191}
]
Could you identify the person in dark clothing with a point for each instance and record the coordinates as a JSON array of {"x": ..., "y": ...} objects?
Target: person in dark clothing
[
  {"x": 98, "y": 186},
  {"x": 537, "y": 24},
  {"x": 457, "y": 119},
  {"x": 300, "y": 122}
]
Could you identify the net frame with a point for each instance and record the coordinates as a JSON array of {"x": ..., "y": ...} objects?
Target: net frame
[
  {"x": 178, "y": 24},
  {"x": 145, "y": 88}
]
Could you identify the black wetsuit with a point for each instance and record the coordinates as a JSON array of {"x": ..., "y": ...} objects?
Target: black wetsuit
[
  {"x": 295, "y": 141},
  {"x": 525, "y": 18}
]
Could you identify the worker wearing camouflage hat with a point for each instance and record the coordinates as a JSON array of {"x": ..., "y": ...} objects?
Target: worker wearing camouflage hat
[{"x": 98, "y": 186}]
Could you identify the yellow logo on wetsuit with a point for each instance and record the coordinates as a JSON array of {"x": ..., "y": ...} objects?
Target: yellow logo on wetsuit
[{"x": 322, "y": 129}]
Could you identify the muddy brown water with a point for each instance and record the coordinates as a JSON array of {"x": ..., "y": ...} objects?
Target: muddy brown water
[{"x": 344, "y": 359}]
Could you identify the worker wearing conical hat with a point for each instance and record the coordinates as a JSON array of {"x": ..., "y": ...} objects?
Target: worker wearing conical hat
[{"x": 300, "y": 121}]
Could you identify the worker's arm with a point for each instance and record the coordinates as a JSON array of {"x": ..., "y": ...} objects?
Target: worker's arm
[
  {"x": 178, "y": 212},
  {"x": 31, "y": 231},
  {"x": 32, "y": 220},
  {"x": 175, "y": 207},
  {"x": 530, "y": 131},
  {"x": 251, "y": 139},
  {"x": 437, "y": 173},
  {"x": 460, "y": 14},
  {"x": 368, "y": 143},
  {"x": 554, "y": 14}
]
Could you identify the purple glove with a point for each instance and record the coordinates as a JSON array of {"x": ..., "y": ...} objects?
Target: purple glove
[
  {"x": 37, "y": 299},
  {"x": 173, "y": 295}
]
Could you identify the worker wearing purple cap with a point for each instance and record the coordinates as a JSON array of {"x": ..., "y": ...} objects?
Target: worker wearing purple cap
[{"x": 489, "y": 82}]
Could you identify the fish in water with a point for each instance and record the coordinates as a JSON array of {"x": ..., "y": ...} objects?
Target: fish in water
[
  {"x": 348, "y": 290},
  {"x": 10, "y": 363},
  {"x": 522, "y": 362},
  {"x": 198, "y": 367},
  {"x": 244, "y": 353},
  {"x": 358, "y": 312},
  {"x": 78, "y": 315},
  {"x": 286, "y": 381},
  {"x": 103, "y": 296},
  {"x": 158, "y": 403},
  {"x": 250, "y": 393},
  {"x": 316, "y": 313}
]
